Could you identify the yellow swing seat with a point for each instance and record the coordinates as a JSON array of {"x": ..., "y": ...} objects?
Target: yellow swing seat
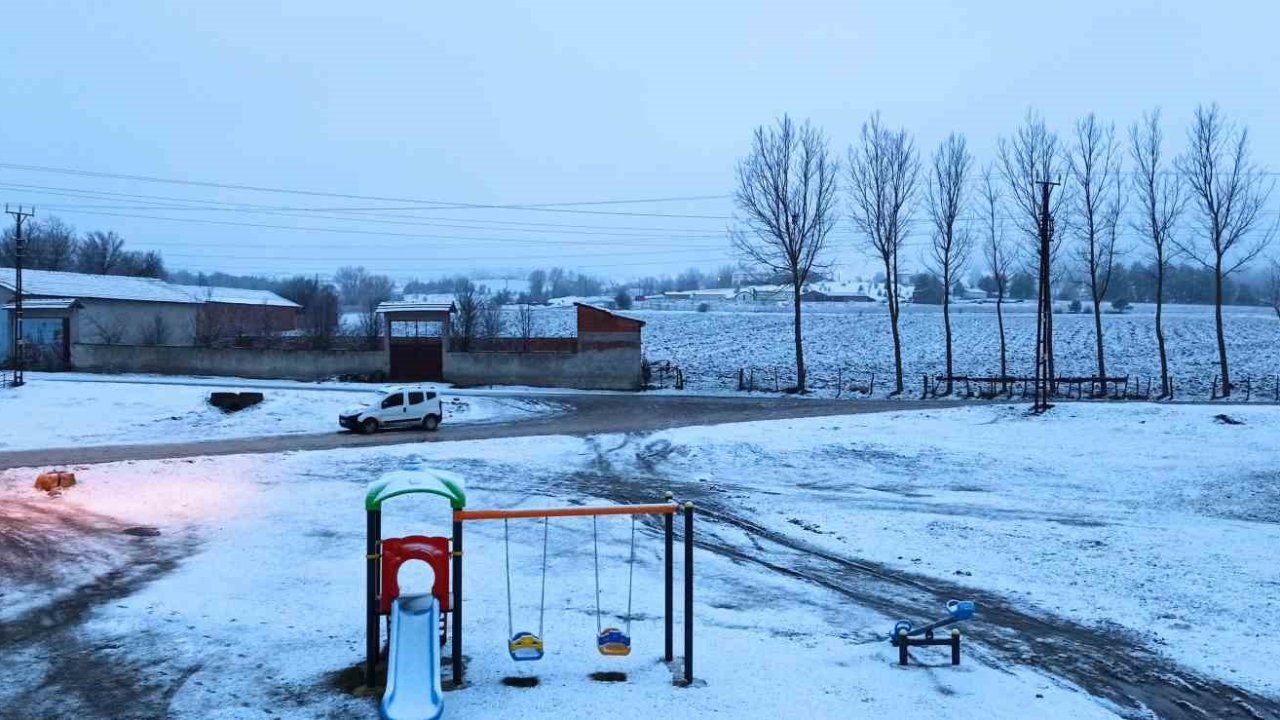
[{"x": 525, "y": 646}]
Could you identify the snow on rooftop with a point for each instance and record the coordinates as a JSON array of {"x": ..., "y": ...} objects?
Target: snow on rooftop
[
  {"x": 118, "y": 287},
  {"x": 80, "y": 285},
  {"x": 236, "y": 296}
]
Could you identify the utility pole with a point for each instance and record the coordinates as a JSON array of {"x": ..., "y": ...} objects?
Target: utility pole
[
  {"x": 1044, "y": 315},
  {"x": 20, "y": 216}
]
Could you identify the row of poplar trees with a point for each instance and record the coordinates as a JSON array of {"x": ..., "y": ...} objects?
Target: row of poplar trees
[{"x": 1206, "y": 203}]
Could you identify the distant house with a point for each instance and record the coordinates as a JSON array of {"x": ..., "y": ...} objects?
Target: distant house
[
  {"x": 493, "y": 286},
  {"x": 767, "y": 293},
  {"x": 61, "y": 309},
  {"x": 704, "y": 295},
  {"x": 831, "y": 291},
  {"x": 836, "y": 296}
]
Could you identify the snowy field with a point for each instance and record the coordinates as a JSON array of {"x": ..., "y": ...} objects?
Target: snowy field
[
  {"x": 1102, "y": 543},
  {"x": 855, "y": 340},
  {"x": 62, "y": 410}
]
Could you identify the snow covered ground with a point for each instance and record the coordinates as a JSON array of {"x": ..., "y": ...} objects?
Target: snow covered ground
[
  {"x": 1152, "y": 526},
  {"x": 59, "y": 411},
  {"x": 855, "y": 339}
]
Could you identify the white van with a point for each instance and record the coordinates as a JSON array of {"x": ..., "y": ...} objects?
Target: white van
[{"x": 399, "y": 407}]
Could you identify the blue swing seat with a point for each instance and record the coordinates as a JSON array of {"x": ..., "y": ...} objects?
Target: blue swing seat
[
  {"x": 613, "y": 641},
  {"x": 525, "y": 646}
]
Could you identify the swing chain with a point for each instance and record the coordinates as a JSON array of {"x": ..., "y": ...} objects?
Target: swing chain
[
  {"x": 506, "y": 550},
  {"x": 595, "y": 550},
  {"x": 542, "y": 602},
  {"x": 631, "y": 566}
]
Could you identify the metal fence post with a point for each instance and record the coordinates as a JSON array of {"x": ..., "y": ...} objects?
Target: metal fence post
[{"x": 688, "y": 592}]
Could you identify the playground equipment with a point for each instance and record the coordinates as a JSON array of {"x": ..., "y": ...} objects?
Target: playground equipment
[
  {"x": 525, "y": 646},
  {"x": 904, "y": 637},
  {"x": 611, "y": 640},
  {"x": 419, "y": 624}
]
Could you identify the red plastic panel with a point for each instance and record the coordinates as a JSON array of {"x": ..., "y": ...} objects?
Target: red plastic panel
[{"x": 434, "y": 551}]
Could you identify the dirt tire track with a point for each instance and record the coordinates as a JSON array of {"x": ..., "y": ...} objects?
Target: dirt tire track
[
  {"x": 85, "y": 676},
  {"x": 1109, "y": 664}
]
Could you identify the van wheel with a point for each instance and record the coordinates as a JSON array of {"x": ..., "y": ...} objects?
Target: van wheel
[
  {"x": 369, "y": 427},
  {"x": 431, "y": 423}
]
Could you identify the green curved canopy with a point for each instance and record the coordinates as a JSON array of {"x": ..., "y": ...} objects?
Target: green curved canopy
[{"x": 447, "y": 485}]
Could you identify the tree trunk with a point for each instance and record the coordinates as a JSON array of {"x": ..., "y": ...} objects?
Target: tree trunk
[
  {"x": 1099, "y": 344},
  {"x": 891, "y": 294},
  {"x": 1166, "y": 390},
  {"x": 1048, "y": 344},
  {"x": 800, "y": 370},
  {"x": 946, "y": 325},
  {"x": 1217, "y": 317},
  {"x": 1004, "y": 364}
]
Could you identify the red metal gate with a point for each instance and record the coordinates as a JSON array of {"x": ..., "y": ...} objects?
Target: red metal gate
[{"x": 414, "y": 359}]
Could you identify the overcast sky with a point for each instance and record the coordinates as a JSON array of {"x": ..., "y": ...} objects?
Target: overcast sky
[{"x": 396, "y": 105}]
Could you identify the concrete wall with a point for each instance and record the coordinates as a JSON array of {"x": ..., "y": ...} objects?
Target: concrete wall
[
  {"x": 291, "y": 364},
  {"x": 131, "y": 321},
  {"x": 612, "y": 369}
]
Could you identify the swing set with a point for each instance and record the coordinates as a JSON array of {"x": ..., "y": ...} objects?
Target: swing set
[
  {"x": 525, "y": 646},
  {"x": 385, "y": 556}
]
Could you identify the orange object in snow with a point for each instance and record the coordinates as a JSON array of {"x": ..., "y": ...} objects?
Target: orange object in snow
[{"x": 55, "y": 480}]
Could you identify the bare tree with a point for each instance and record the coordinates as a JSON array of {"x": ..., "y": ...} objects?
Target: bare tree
[
  {"x": 48, "y": 245},
  {"x": 1161, "y": 198},
  {"x": 370, "y": 292},
  {"x": 884, "y": 170},
  {"x": 110, "y": 330},
  {"x": 491, "y": 319},
  {"x": 350, "y": 281},
  {"x": 1095, "y": 168},
  {"x": 1031, "y": 156},
  {"x": 997, "y": 252},
  {"x": 101, "y": 253},
  {"x": 1228, "y": 193},
  {"x": 156, "y": 332},
  {"x": 525, "y": 323},
  {"x": 786, "y": 208},
  {"x": 1273, "y": 287},
  {"x": 466, "y": 320},
  {"x": 952, "y": 242}
]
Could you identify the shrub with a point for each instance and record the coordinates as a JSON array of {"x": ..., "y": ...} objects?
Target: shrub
[
  {"x": 1120, "y": 304},
  {"x": 1074, "y": 306},
  {"x": 703, "y": 307}
]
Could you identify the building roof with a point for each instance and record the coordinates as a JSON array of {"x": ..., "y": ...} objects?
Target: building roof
[
  {"x": 106, "y": 287},
  {"x": 607, "y": 311},
  {"x": 67, "y": 285},
  {"x": 44, "y": 303},
  {"x": 402, "y": 306},
  {"x": 236, "y": 296}
]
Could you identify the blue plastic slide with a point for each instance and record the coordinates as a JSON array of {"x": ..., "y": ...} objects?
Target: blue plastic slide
[{"x": 413, "y": 662}]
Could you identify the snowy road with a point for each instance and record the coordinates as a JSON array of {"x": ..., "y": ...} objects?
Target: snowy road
[{"x": 586, "y": 414}]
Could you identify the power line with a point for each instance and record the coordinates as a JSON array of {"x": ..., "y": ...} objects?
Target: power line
[
  {"x": 351, "y": 231},
  {"x": 363, "y": 216},
  {"x": 428, "y": 204}
]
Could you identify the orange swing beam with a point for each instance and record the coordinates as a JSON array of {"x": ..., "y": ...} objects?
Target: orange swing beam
[{"x": 663, "y": 509}]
